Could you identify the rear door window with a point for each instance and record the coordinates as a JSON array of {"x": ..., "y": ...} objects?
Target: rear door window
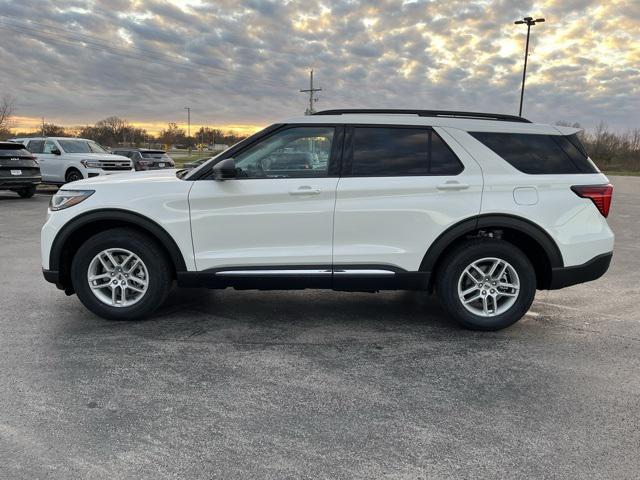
[
  {"x": 35, "y": 146},
  {"x": 397, "y": 152},
  {"x": 537, "y": 154}
]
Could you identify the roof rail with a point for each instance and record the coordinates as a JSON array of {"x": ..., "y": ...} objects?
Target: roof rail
[{"x": 426, "y": 113}]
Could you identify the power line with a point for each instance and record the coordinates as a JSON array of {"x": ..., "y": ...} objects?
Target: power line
[{"x": 311, "y": 91}]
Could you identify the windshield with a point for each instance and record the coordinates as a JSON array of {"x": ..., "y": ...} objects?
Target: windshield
[{"x": 81, "y": 146}]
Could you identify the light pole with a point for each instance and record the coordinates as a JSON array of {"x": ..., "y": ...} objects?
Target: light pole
[
  {"x": 529, "y": 21},
  {"x": 188, "y": 109}
]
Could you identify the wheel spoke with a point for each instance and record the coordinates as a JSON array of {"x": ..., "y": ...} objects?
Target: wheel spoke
[
  {"x": 507, "y": 294},
  {"x": 113, "y": 296},
  {"x": 477, "y": 269},
  {"x": 105, "y": 265},
  {"x": 473, "y": 299},
  {"x": 111, "y": 259},
  {"x": 485, "y": 306},
  {"x": 93, "y": 278},
  {"x": 507, "y": 285},
  {"x": 123, "y": 295},
  {"x": 469, "y": 290},
  {"x": 123, "y": 264},
  {"x": 502, "y": 270},
  {"x": 135, "y": 264},
  {"x": 139, "y": 281},
  {"x": 493, "y": 268},
  {"x": 135, "y": 289}
]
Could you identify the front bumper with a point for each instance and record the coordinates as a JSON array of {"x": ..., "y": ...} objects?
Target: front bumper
[{"x": 593, "y": 269}]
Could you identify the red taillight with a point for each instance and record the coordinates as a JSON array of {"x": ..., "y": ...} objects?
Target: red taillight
[{"x": 600, "y": 195}]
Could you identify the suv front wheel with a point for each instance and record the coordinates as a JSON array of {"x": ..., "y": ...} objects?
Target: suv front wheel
[
  {"x": 121, "y": 274},
  {"x": 486, "y": 284}
]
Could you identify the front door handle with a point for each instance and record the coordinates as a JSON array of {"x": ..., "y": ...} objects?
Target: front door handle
[
  {"x": 305, "y": 190},
  {"x": 452, "y": 186}
]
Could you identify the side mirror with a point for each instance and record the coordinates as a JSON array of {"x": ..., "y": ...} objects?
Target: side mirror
[
  {"x": 225, "y": 170},
  {"x": 56, "y": 151}
]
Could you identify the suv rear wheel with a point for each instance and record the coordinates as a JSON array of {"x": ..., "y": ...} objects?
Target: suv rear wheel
[
  {"x": 121, "y": 274},
  {"x": 488, "y": 284}
]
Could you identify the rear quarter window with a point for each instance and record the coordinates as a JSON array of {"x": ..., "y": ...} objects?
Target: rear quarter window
[{"x": 538, "y": 154}]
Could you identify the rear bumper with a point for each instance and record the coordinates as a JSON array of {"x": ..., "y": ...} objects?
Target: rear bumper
[
  {"x": 8, "y": 183},
  {"x": 593, "y": 269}
]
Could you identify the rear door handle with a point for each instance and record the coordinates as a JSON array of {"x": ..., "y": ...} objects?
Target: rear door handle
[
  {"x": 452, "y": 185},
  {"x": 305, "y": 190}
]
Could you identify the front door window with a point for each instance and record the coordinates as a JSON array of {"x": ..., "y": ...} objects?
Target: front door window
[{"x": 300, "y": 152}]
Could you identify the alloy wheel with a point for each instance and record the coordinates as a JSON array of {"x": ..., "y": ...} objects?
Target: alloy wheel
[
  {"x": 118, "y": 277},
  {"x": 488, "y": 287}
]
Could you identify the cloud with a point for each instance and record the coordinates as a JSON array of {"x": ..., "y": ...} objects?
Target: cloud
[{"x": 243, "y": 62}]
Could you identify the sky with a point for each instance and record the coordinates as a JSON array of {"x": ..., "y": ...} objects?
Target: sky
[{"x": 239, "y": 64}]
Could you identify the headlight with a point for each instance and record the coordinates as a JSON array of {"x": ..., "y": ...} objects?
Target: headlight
[
  {"x": 68, "y": 198},
  {"x": 91, "y": 163}
]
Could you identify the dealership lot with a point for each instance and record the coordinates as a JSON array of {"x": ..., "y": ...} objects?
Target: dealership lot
[{"x": 311, "y": 384}]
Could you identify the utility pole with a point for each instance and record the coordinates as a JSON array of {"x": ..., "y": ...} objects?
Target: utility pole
[
  {"x": 43, "y": 126},
  {"x": 529, "y": 21},
  {"x": 311, "y": 91},
  {"x": 188, "y": 109}
]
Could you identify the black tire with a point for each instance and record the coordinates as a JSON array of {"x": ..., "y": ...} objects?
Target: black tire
[
  {"x": 462, "y": 256},
  {"x": 151, "y": 254},
  {"x": 27, "y": 192},
  {"x": 73, "y": 175}
]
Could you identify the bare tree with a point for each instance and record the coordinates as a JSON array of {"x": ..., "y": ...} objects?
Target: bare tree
[{"x": 7, "y": 109}]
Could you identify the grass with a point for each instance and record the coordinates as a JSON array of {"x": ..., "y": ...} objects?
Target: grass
[
  {"x": 626, "y": 173},
  {"x": 181, "y": 160}
]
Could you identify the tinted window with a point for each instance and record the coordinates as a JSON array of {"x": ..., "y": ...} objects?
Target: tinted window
[
  {"x": 442, "y": 161},
  {"x": 393, "y": 152},
  {"x": 290, "y": 153},
  {"x": 537, "y": 154},
  {"x": 35, "y": 146}
]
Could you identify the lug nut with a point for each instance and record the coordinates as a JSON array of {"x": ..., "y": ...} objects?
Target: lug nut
[{"x": 484, "y": 292}]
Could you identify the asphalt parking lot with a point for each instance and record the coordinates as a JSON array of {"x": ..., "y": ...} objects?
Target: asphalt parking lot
[{"x": 312, "y": 384}]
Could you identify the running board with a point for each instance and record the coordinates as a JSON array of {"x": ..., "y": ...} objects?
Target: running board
[{"x": 342, "y": 278}]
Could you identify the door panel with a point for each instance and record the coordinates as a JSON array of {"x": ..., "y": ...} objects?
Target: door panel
[
  {"x": 392, "y": 220},
  {"x": 259, "y": 222}
]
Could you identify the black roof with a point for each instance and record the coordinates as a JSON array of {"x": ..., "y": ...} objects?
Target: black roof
[{"x": 427, "y": 113}]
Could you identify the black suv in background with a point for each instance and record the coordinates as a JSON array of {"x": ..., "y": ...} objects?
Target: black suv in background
[
  {"x": 19, "y": 169},
  {"x": 146, "y": 159}
]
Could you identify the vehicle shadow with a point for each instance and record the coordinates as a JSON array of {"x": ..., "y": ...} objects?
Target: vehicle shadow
[{"x": 291, "y": 317}]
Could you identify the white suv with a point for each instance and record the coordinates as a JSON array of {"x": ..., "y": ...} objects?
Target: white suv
[
  {"x": 63, "y": 159},
  {"x": 484, "y": 209}
]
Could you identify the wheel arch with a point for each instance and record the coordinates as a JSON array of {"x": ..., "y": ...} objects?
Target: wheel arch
[
  {"x": 71, "y": 236},
  {"x": 533, "y": 240},
  {"x": 72, "y": 166}
]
